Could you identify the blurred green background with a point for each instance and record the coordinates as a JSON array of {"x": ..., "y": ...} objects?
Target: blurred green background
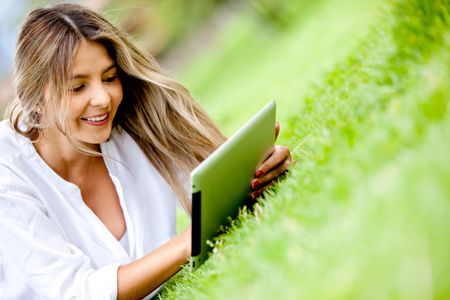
[
  {"x": 216, "y": 47},
  {"x": 362, "y": 89}
]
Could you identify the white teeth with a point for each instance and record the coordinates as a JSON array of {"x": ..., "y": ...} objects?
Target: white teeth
[{"x": 97, "y": 119}]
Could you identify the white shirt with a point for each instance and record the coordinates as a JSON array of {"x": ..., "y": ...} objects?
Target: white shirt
[{"x": 52, "y": 246}]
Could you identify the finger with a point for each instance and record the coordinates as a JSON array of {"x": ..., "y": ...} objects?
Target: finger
[
  {"x": 266, "y": 185},
  {"x": 270, "y": 176},
  {"x": 277, "y": 130},
  {"x": 259, "y": 185},
  {"x": 255, "y": 194},
  {"x": 280, "y": 154}
]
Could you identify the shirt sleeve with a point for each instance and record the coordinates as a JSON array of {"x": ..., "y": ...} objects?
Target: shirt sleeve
[{"x": 51, "y": 266}]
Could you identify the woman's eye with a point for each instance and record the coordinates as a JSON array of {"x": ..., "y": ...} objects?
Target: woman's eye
[
  {"x": 111, "y": 78},
  {"x": 77, "y": 89}
]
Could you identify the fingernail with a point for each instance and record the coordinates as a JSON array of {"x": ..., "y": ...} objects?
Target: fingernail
[
  {"x": 256, "y": 183},
  {"x": 259, "y": 173}
]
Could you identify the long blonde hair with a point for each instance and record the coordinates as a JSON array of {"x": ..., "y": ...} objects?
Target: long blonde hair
[{"x": 160, "y": 115}]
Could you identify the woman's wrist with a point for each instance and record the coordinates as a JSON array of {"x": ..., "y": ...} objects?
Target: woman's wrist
[
  {"x": 139, "y": 278},
  {"x": 186, "y": 242}
]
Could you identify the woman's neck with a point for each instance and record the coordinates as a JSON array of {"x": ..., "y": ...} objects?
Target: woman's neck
[{"x": 65, "y": 159}]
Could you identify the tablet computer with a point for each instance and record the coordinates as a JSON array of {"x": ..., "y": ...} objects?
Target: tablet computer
[{"x": 222, "y": 182}]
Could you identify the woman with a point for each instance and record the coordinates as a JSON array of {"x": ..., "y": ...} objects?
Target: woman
[{"x": 97, "y": 149}]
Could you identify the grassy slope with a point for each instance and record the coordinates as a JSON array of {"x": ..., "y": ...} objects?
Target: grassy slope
[{"x": 366, "y": 212}]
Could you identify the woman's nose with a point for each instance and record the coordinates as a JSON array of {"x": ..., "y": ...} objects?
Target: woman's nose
[{"x": 100, "y": 96}]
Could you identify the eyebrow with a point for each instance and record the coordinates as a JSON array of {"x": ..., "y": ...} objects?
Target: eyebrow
[{"x": 79, "y": 76}]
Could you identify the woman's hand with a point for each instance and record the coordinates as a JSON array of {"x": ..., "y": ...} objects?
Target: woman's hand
[{"x": 275, "y": 165}]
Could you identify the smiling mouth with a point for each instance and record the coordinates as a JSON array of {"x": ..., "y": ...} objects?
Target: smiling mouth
[{"x": 97, "y": 120}]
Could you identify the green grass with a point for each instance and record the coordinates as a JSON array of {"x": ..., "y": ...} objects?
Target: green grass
[{"x": 365, "y": 212}]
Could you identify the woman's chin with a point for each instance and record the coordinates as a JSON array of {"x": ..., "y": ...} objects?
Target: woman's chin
[{"x": 97, "y": 137}]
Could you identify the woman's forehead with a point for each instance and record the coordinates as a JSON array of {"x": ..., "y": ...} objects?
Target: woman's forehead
[{"x": 90, "y": 58}]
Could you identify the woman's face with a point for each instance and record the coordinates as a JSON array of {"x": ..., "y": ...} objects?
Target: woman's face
[{"x": 95, "y": 94}]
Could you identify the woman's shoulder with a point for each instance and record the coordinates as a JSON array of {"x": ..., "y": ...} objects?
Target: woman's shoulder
[
  {"x": 14, "y": 183},
  {"x": 12, "y": 144},
  {"x": 6, "y": 131}
]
